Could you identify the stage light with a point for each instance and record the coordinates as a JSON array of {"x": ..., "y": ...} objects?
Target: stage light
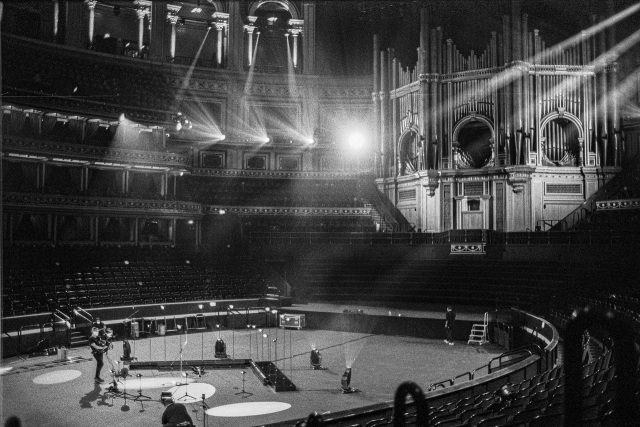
[
  {"x": 345, "y": 382},
  {"x": 264, "y": 335},
  {"x": 190, "y": 222},
  {"x": 107, "y": 35},
  {"x": 212, "y": 304},
  {"x": 222, "y": 212},
  {"x": 265, "y": 139},
  {"x": 231, "y": 307},
  {"x": 126, "y": 262},
  {"x": 310, "y": 141},
  {"x": 162, "y": 307},
  {"x": 179, "y": 327},
  {"x": 267, "y": 309},
  {"x": 222, "y": 137},
  {"x": 200, "y": 306},
  {"x": 196, "y": 10},
  {"x": 187, "y": 262},
  {"x": 220, "y": 348},
  {"x": 315, "y": 359}
]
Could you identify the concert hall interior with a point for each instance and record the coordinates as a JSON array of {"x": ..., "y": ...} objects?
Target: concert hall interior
[{"x": 320, "y": 212}]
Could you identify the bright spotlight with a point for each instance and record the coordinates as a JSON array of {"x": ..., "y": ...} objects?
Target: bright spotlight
[
  {"x": 310, "y": 141},
  {"x": 265, "y": 139},
  {"x": 345, "y": 382},
  {"x": 200, "y": 306},
  {"x": 222, "y": 211},
  {"x": 222, "y": 137},
  {"x": 162, "y": 307},
  {"x": 212, "y": 304},
  {"x": 190, "y": 222},
  {"x": 356, "y": 141}
]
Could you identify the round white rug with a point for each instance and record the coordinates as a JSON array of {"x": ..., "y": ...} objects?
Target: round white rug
[
  {"x": 248, "y": 409},
  {"x": 57, "y": 377},
  {"x": 192, "y": 393}
]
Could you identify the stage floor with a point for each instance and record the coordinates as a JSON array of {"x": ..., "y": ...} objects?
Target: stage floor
[
  {"x": 44, "y": 393},
  {"x": 420, "y": 311}
]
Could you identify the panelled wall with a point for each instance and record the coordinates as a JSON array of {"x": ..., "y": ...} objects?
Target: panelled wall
[{"x": 513, "y": 138}]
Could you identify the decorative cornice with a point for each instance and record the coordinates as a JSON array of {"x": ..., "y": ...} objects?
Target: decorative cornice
[
  {"x": 267, "y": 210},
  {"x": 100, "y": 205},
  {"x": 230, "y": 173},
  {"x": 274, "y": 90},
  {"x": 89, "y": 152},
  {"x": 194, "y": 83},
  {"x": 518, "y": 178},
  {"x": 618, "y": 204},
  {"x": 345, "y": 92}
]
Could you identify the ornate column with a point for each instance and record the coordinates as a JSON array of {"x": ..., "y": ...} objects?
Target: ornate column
[
  {"x": 296, "y": 29},
  {"x": 295, "y": 33},
  {"x": 142, "y": 11},
  {"x": 250, "y": 29},
  {"x": 91, "y": 6},
  {"x": 158, "y": 24},
  {"x": 172, "y": 17},
  {"x": 309, "y": 40},
  {"x": 235, "y": 37},
  {"x": 221, "y": 21}
]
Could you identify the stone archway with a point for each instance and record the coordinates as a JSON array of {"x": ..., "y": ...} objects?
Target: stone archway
[
  {"x": 288, "y": 5},
  {"x": 561, "y": 143},
  {"x": 409, "y": 146},
  {"x": 473, "y": 142}
]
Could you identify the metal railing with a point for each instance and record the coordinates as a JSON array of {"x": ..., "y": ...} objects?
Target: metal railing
[{"x": 583, "y": 237}]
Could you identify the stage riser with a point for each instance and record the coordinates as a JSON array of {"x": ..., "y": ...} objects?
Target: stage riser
[
  {"x": 187, "y": 364},
  {"x": 384, "y": 325}
]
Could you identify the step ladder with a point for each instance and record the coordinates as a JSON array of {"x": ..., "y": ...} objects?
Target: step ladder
[{"x": 479, "y": 332}]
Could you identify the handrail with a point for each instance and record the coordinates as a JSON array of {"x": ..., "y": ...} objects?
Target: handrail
[
  {"x": 627, "y": 406},
  {"x": 78, "y": 311},
  {"x": 523, "y": 351}
]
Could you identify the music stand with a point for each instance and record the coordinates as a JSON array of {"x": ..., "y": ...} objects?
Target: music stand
[
  {"x": 243, "y": 393},
  {"x": 186, "y": 389},
  {"x": 140, "y": 396}
]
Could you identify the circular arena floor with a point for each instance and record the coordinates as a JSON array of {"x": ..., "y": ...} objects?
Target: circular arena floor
[{"x": 43, "y": 392}]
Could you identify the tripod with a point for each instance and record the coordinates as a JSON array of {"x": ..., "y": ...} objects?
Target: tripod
[
  {"x": 141, "y": 397},
  {"x": 113, "y": 389},
  {"x": 243, "y": 393},
  {"x": 186, "y": 389}
]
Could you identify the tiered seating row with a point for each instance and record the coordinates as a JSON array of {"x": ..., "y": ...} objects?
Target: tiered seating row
[
  {"x": 481, "y": 283},
  {"x": 270, "y": 192},
  {"x": 59, "y": 282}
]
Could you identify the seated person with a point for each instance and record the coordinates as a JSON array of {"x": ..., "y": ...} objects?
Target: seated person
[{"x": 175, "y": 414}]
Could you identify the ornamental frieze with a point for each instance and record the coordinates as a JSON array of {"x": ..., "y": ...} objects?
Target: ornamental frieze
[
  {"x": 246, "y": 210},
  {"x": 345, "y": 92},
  {"x": 90, "y": 152},
  {"x": 199, "y": 84},
  {"x": 272, "y": 174},
  {"x": 618, "y": 204},
  {"x": 99, "y": 203},
  {"x": 274, "y": 90}
]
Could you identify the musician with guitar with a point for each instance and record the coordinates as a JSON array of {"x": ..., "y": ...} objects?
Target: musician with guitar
[{"x": 99, "y": 346}]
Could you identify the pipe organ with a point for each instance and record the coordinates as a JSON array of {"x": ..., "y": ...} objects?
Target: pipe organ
[{"x": 528, "y": 123}]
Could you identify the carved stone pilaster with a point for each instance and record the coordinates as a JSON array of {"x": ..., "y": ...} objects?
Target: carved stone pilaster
[{"x": 518, "y": 178}]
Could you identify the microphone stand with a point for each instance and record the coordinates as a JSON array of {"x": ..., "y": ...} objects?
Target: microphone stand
[{"x": 204, "y": 412}]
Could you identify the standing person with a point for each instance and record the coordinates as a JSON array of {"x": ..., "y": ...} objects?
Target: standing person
[
  {"x": 99, "y": 325},
  {"x": 449, "y": 323},
  {"x": 175, "y": 414},
  {"x": 98, "y": 348}
]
